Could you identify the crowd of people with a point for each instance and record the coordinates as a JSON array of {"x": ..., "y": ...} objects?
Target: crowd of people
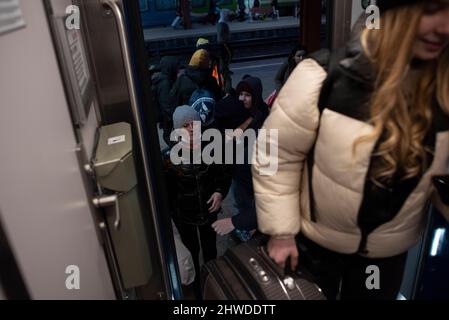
[
  {"x": 245, "y": 10},
  {"x": 363, "y": 144},
  {"x": 197, "y": 191}
]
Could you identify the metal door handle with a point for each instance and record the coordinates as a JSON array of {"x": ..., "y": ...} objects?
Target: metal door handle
[
  {"x": 107, "y": 201},
  {"x": 126, "y": 53}
]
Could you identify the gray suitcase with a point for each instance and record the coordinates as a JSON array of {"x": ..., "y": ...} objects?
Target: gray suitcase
[{"x": 246, "y": 272}]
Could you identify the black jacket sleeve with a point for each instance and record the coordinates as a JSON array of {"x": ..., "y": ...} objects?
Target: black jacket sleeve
[
  {"x": 246, "y": 220},
  {"x": 223, "y": 176},
  {"x": 170, "y": 181},
  {"x": 166, "y": 102},
  {"x": 175, "y": 93},
  {"x": 259, "y": 117}
]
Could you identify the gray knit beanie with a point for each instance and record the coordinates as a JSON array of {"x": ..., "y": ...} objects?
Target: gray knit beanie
[{"x": 183, "y": 115}]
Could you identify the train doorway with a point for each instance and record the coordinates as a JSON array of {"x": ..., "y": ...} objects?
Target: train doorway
[
  {"x": 125, "y": 56},
  {"x": 242, "y": 39}
]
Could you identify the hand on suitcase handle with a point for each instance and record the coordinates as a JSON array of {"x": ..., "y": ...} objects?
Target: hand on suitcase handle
[{"x": 281, "y": 249}]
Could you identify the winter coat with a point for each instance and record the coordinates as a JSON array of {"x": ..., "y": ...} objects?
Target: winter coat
[
  {"x": 191, "y": 186},
  {"x": 260, "y": 109},
  {"x": 192, "y": 79},
  {"x": 320, "y": 189},
  {"x": 230, "y": 113},
  {"x": 242, "y": 172},
  {"x": 163, "y": 83}
]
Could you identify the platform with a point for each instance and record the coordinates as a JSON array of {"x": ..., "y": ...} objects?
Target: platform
[{"x": 201, "y": 30}]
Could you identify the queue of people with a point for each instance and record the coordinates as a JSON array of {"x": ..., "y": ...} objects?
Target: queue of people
[
  {"x": 363, "y": 141},
  {"x": 197, "y": 189}
]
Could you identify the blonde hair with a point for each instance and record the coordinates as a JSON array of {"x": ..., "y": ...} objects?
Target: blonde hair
[{"x": 401, "y": 116}]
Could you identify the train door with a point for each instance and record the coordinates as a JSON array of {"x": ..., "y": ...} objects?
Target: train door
[
  {"x": 118, "y": 146},
  {"x": 12, "y": 285},
  {"x": 47, "y": 222},
  {"x": 259, "y": 48}
]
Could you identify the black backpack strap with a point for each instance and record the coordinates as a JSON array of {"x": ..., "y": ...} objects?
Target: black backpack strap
[
  {"x": 196, "y": 84},
  {"x": 331, "y": 67}
]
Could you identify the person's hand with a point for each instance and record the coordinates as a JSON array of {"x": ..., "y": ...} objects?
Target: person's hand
[
  {"x": 245, "y": 125},
  {"x": 223, "y": 227},
  {"x": 280, "y": 249},
  {"x": 215, "y": 202},
  {"x": 238, "y": 132}
]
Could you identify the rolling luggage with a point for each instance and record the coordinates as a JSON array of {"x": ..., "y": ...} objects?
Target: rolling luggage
[{"x": 246, "y": 272}]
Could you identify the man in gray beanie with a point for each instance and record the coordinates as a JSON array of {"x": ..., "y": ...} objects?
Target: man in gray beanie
[
  {"x": 196, "y": 192},
  {"x": 184, "y": 115}
]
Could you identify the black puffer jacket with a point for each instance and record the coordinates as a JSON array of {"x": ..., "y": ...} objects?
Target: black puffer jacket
[
  {"x": 191, "y": 186},
  {"x": 192, "y": 79}
]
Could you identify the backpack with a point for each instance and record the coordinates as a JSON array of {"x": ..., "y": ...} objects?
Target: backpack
[
  {"x": 155, "y": 101},
  {"x": 203, "y": 101}
]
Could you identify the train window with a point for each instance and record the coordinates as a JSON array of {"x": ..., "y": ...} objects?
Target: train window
[
  {"x": 143, "y": 5},
  {"x": 165, "y": 5},
  {"x": 198, "y": 3}
]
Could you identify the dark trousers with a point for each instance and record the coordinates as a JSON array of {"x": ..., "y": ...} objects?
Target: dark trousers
[
  {"x": 346, "y": 276},
  {"x": 167, "y": 127},
  {"x": 244, "y": 204},
  {"x": 208, "y": 241}
]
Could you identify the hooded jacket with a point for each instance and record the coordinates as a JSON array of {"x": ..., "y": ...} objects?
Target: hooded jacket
[
  {"x": 320, "y": 189},
  {"x": 163, "y": 83},
  {"x": 260, "y": 109},
  {"x": 242, "y": 172},
  {"x": 259, "y": 112}
]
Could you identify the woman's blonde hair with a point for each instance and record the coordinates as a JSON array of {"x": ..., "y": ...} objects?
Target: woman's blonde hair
[{"x": 401, "y": 116}]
